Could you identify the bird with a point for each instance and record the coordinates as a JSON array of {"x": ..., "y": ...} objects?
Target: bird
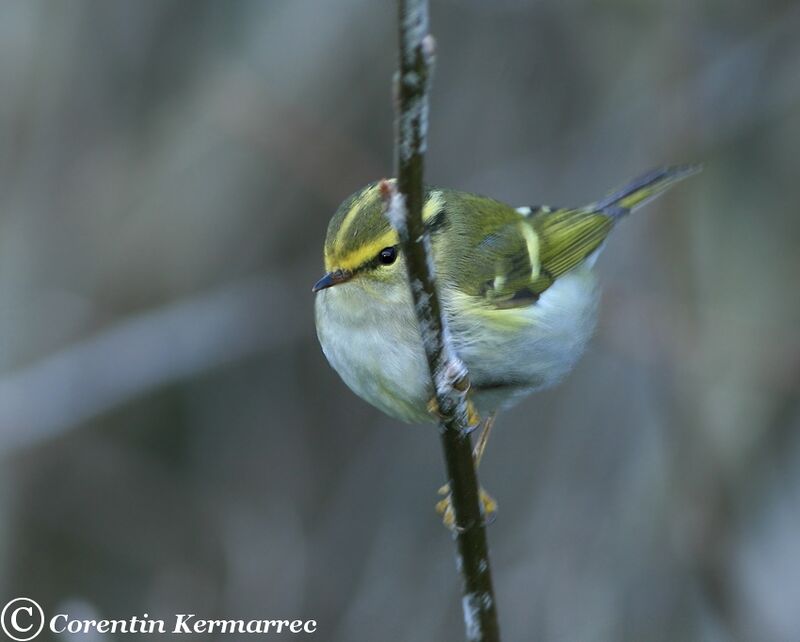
[{"x": 516, "y": 287}]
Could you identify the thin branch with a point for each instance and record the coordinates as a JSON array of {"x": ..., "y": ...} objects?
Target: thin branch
[
  {"x": 139, "y": 354},
  {"x": 449, "y": 375}
]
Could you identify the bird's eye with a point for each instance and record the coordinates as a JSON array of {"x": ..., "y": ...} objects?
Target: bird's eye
[{"x": 387, "y": 255}]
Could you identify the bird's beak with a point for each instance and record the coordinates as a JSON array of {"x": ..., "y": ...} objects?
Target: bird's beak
[{"x": 331, "y": 279}]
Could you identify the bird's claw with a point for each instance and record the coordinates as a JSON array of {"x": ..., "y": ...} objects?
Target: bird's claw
[
  {"x": 473, "y": 418},
  {"x": 444, "y": 507}
]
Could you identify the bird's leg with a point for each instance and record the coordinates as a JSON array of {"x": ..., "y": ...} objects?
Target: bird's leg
[
  {"x": 483, "y": 439},
  {"x": 488, "y": 505}
]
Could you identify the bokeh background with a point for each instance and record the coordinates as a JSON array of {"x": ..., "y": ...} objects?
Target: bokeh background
[{"x": 171, "y": 436}]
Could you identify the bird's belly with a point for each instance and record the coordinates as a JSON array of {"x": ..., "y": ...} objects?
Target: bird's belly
[
  {"x": 509, "y": 353},
  {"x": 377, "y": 353}
]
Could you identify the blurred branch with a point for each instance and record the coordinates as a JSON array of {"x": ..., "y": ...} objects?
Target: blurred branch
[
  {"x": 137, "y": 355},
  {"x": 450, "y": 379}
]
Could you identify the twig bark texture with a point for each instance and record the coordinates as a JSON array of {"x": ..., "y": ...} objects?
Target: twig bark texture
[{"x": 449, "y": 375}]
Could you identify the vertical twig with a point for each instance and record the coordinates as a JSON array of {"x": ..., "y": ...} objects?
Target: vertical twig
[{"x": 449, "y": 375}]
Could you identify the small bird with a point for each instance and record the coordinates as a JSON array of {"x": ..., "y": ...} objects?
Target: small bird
[{"x": 516, "y": 287}]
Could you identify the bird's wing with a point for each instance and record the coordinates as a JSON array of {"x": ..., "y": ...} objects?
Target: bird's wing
[
  {"x": 513, "y": 256},
  {"x": 506, "y": 258},
  {"x": 520, "y": 260},
  {"x": 567, "y": 237}
]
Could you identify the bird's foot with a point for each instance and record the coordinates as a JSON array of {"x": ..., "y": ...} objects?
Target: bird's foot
[
  {"x": 444, "y": 507},
  {"x": 473, "y": 418}
]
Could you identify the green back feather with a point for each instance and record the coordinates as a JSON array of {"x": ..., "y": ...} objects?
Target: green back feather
[{"x": 505, "y": 269}]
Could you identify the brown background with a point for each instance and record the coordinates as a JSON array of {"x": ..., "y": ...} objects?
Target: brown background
[{"x": 171, "y": 436}]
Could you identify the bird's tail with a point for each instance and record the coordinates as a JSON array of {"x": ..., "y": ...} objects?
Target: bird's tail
[{"x": 642, "y": 190}]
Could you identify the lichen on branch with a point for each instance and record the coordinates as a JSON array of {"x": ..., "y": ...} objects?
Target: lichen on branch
[{"x": 403, "y": 203}]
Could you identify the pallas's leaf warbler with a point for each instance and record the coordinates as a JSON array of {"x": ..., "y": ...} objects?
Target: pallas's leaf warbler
[{"x": 515, "y": 284}]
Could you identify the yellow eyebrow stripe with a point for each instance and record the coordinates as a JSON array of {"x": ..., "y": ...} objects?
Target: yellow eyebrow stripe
[
  {"x": 361, "y": 255},
  {"x": 358, "y": 257}
]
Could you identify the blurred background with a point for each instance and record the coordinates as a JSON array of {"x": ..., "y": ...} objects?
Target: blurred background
[{"x": 171, "y": 436}]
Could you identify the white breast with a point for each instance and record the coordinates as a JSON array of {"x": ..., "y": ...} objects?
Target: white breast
[
  {"x": 376, "y": 350},
  {"x": 375, "y": 347}
]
